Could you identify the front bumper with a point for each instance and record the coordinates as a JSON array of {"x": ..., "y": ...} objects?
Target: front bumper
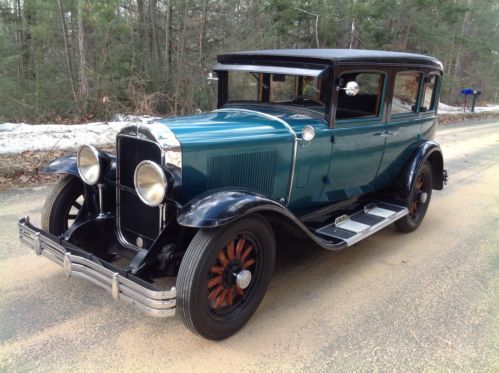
[{"x": 147, "y": 299}]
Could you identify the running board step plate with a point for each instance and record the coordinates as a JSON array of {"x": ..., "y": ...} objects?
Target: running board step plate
[{"x": 362, "y": 224}]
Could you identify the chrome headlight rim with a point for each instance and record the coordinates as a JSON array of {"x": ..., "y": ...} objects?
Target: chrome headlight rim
[
  {"x": 161, "y": 179},
  {"x": 96, "y": 155}
]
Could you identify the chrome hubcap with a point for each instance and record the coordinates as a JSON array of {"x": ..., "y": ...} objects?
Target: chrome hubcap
[{"x": 243, "y": 279}]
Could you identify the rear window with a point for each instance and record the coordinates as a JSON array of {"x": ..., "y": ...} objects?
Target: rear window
[
  {"x": 405, "y": 92},
  {"x": 429, "y": 93}
]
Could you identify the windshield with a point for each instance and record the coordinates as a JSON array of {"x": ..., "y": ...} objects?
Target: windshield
[{"x": 289, "y": 90}]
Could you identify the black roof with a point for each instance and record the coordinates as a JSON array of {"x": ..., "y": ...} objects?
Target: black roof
[{"x": 333, "y": 56}]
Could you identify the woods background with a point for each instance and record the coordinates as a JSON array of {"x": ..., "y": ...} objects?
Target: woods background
[{"x": 76, "y": 60}]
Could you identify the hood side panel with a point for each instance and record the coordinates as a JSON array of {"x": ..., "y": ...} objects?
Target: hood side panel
[{"x": 233, "y": 150}]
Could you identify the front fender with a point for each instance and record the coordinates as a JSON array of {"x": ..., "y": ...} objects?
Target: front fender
[
  {"x": 67, "y": 165},
  {"x": 426, "y": 151},
  {"x": 216, "y": 208},
  {"x": 220, "y": 207}
]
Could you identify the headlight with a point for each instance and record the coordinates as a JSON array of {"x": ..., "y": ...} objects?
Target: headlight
[
  {"x": 89, "y": 165},
  {"x": 150, "y": 183}
]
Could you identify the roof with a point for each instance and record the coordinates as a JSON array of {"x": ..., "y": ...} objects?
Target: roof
[{"x": 333, "y": 56}]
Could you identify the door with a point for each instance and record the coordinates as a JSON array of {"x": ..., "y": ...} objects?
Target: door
[
  {"x": 359, "y": 138},
  {"x": 403, "y": 128}
]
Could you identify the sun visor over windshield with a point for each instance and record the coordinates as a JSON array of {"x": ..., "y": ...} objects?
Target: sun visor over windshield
[{"x": 271, "y": 69}]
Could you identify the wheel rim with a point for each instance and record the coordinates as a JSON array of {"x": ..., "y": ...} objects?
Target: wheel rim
[
  {"x": 226, "y": 294},
  {"x": 72, "y": 211},
  {"x": 419, "y": 198}
]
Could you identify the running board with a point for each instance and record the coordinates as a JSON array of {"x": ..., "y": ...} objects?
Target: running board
[{"x": 354, "y": 228}]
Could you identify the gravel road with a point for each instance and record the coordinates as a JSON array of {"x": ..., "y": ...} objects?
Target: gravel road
[{"x": 422, "y": 301}]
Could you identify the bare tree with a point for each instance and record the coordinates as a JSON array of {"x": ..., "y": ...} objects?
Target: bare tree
[
  {"x": 66, "y": 49},
  {"x": 85, "y": 46}
]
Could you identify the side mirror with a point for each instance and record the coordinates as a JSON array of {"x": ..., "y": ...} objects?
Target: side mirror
[
  {"x": 352, "y": 88},
  {"x": 211, "y": 78}
]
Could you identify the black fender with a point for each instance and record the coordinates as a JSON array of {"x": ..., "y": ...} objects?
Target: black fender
[
  {"x": 221, "y": 207},
  {"x": 426, "y": 151},
  {"x": 67, "y": 165}
]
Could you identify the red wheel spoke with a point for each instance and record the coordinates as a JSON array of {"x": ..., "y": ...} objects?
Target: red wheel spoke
[
  {"x": 239, "y": 291},
  {"x": 249, "y": 263},
  {"x": 414, "y": 207},
  {"x": 420, "y": 182},
  {"x": 230, "y": 296},
  {"x": 230, "y": 250},
  {"x": 214, "y": 293},
  {"x": 222, "y": 258},
  {"x": 221, "y": 299},
  {"x": 239, "y": 247},
  {"x": 246, "y": 253},
  {"x": 219, "y": 270},
  {"x": 214, "y": 281}
]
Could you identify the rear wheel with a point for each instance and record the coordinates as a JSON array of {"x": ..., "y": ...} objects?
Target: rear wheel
[
  {"x": 224, "y": 275},
  {"x": 419, "y": 200},
  {"x": 62, "y": 205}
]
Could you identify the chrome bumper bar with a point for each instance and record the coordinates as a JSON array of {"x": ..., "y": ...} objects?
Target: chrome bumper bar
[{"x": 152, "y": 302}]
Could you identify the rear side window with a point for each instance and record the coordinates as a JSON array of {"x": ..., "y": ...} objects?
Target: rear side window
[
  {"x": 367, "y": 102},
  {"x": 405, "y": 92},
  {"x": 429, "y": 93}
]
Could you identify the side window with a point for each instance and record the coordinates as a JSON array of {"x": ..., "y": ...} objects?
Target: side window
[
  {"x": 429, "y": 93},
  {"x": 367, "y": 103},
  {"x": 405, "y": 92}
]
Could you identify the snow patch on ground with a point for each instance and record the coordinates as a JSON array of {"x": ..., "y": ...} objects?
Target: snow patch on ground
[
  {"x": 16, "y": 138},
  {"x": 447, "y": 109}
]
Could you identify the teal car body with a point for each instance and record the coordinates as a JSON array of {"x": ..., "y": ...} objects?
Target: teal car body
[{"x": 328, "y": 144}]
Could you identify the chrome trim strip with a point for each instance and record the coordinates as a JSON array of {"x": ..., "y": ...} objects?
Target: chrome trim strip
[
  {"x": 270, "y": 69},
  {"x": 288, "y": 127},
  {"x": 152, "y": 302}
]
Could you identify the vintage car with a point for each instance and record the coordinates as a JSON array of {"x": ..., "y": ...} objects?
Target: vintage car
[{"x": 328, "y": 144}]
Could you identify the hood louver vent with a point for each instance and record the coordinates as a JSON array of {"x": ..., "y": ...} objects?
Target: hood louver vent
[{"x": 252, "y": 169}]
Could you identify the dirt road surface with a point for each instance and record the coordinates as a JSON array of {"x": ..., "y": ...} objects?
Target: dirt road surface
[{"x": 425, "y": 300}]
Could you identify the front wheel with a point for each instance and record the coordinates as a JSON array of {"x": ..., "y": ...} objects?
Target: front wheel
[
  {"x": 62, "y": 205},
  {"x": 418, "y": 201},
  {"x": 224, "y": 275}
]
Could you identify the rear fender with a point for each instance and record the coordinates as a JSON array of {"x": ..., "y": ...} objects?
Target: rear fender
[{"x": 426, "y": 151}]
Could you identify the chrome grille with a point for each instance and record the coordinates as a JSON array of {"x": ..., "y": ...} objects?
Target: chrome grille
[{"x": 134, "y": 217}]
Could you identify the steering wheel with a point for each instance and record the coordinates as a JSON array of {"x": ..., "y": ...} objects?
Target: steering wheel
[{"x": 308, "y": 98}]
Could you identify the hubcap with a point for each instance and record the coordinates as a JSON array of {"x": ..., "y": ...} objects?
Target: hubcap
[
  {"x": 423, "y": 197},
  {"x": 243, "y": 279}
]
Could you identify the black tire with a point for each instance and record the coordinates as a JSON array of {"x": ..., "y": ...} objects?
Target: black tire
[
  {"x": 417, "y": 209},
  {"x": 204, "y": 316},
  {"x": 62, "y": 205}
]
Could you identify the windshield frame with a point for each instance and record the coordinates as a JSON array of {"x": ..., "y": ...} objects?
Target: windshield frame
[{"x": 321, "y": 72}]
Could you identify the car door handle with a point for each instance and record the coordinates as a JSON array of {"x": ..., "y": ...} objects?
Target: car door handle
[{"x": 385, "y": 133}]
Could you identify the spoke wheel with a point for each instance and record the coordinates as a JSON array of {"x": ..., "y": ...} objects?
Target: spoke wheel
[
  {"x": 418, "y": 201},
  {"x": 63, "y": 205},
  {"x": 238, "y": 258},
  {"x": 224, "y": 275}
]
